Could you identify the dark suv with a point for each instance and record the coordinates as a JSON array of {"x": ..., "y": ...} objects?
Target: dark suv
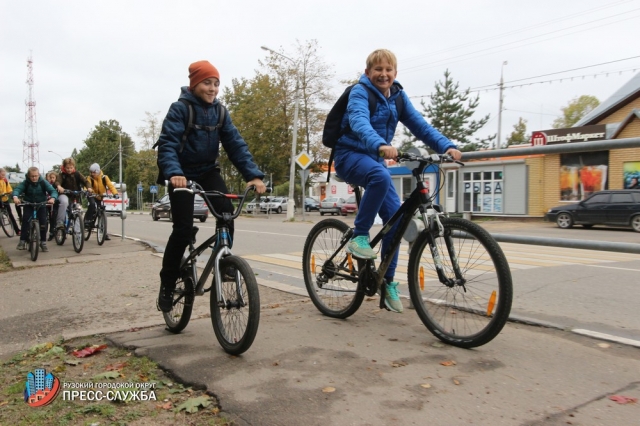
[{"x": 613, "y": 207}]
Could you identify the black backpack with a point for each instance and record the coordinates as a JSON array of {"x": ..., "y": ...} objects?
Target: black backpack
[
  {"x": 333, "y": 129},
  {"x": 222, "y": 112}
]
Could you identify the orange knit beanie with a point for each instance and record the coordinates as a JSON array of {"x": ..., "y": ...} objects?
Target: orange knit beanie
[{"x": 200, "y": 71}]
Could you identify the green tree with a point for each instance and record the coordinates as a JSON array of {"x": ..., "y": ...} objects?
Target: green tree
[
  {"x": 575, "y": 110},
  {"x": 15, "y": 169},
  {"x": 150, "y": 132},
  {"x": 519, "y": 136},
  {"x": 450, "y": 112},
  {"x": 102, "y": 147},
  {"x": 141, "y": 167}
]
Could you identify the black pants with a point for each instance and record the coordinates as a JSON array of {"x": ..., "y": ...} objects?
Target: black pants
[
  {"x": 182, "y": 214},
  {"x": 91, "y": 211},
  {"x": 53, "y": 213},
  {"x": 26, "y": 217}
]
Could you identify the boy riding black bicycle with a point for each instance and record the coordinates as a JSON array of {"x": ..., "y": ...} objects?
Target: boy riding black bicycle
[{"x": 189, "y": 151}]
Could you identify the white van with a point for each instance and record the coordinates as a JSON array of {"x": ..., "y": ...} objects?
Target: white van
[{"x": 113, "y": 205}]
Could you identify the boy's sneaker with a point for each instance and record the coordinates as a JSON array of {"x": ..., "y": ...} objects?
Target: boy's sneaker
[
  {"x": 22, "y": 245},
  {"x": 360, "y": 248},
  {"x": 165, "y": 301},
  {"x": 392, "y": 298},
  {"x": 43, "y": 247}
]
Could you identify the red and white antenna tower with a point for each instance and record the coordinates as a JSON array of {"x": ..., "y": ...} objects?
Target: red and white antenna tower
[{"x": 30, "y": 144}]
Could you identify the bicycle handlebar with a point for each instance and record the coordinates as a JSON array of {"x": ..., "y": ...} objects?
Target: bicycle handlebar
[
  {"x": 428, "y": 159},
  {"x": 194, "y": 188}
]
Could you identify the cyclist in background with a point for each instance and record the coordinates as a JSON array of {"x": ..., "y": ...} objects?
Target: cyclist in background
[
  {"x": 34, "y": 189},
  {"x": 53, "y": 211},
  {"x": 72, "y": 180},
  {"x": 99, "y": 183},
  {"x": 5, "y": 187}
]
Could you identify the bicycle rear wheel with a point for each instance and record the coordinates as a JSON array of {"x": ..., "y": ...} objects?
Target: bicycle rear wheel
[
  {"x": 473, "y": 307},
  {"x": 332, "y": 284},
  {"x": 236, "y": 316},
  {"x": 183, "y": 298},
  {"x": 7, "y": 226},
  {"x": 34, "y": 238},
  {"x": 101, "y": 227},
  {"x": 77, "y": 233}
]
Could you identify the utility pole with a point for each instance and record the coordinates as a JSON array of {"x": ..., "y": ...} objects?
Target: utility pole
[{"x": 501, "y": 85}]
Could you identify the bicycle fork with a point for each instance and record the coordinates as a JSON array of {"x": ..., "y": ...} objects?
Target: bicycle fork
[{"x": 434, "y": 228}]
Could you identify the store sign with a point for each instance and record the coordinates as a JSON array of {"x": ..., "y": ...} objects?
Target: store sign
[{"x": 571, "y": 134}]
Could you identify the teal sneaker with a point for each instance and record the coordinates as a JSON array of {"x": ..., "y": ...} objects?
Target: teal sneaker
[
  {"x": 359, "y": 247},
  {"x": 392, "y": 298}
]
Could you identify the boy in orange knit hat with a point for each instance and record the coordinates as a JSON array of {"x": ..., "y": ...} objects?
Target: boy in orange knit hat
[{"x": 196, "y": 159}]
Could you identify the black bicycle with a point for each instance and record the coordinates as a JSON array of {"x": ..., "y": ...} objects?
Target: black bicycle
[
  {"x": 73, "y": 222},
  {"x": 33, "y": 236},
  {"x": 5, "y": 220},
  {"x": 99, "y": 222},
  {"x": 459, "y": 279},
  {"x": 235, "y": 299}
]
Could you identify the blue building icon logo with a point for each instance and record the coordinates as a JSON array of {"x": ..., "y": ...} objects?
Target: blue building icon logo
[{"x": 41, "y": 388}]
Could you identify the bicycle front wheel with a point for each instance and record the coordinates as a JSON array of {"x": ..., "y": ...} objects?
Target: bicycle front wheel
[
  {"x": 235, "y": 311},
  {"x": 34, "y": 239},
  {"x": 87, "y": 232},
  {"x": 101, "y": 227},
  {"x": 77, "y": 233},
  {"x": 331, "y": 275},
  {"x": 472, "y": 306},
  {"x": 7, "y": 226},
  {"x": 183, "y": 297}
]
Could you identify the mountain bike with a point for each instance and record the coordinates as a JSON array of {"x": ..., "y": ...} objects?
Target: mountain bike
[
  {"x": 99, "y": 222},
  {"x": 73, "y": 222},
  {"x": 459, "y": 279},
  {"x": 234, "y": 299},
  {"x": 33, "y": 236},
  {"x": 5, "y": 220}
]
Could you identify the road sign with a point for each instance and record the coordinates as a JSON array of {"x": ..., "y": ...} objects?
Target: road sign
[
  {"x": 153, "y": 189},
  {"x": 139, "y": 187},
  {"x": 303, "y": 160}
]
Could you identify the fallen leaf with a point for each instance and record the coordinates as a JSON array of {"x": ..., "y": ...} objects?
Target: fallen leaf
[
  {"x": 71, "y": 362},
  {"x": 165, "y": 406},
  {"x": 116, "y": 367},
  {"x": 437, "y": 345},
  {"x": 456, "y": 382},
  {"x": 328, "y": 389},
  {"x": 191, "y": 405},
  {"x": 3, "y": 403},
  {"x": 107, "y": 375},
  {"x": 91, "y": 350},
  {"x": 604, "y": 345},
  {"x": 426, "y": 385},
  {"x": 398, "y": 364},
  {"x": 448, "y": 363},
  {"x": 276, "y": 363},
  {"x": 621, "y": 399},
  {"x": 135, "y": 329}
]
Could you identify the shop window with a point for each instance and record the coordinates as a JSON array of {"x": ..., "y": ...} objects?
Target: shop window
[{"x": 482, "y": 192}]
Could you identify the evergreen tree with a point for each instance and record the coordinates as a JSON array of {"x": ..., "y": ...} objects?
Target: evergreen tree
[{"x": 450, "y": 112}]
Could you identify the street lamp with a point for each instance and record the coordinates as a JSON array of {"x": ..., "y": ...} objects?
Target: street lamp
[
  {"x": 292, "y": 171},
  {"x": 500, "y": 107},
  {"x": 57, "y": 155}
]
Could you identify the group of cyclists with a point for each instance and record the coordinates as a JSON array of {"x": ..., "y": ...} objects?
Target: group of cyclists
[{"x": 52, "y": 188}]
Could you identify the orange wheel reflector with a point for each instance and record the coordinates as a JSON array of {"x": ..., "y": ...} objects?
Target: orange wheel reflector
[
  {"x": 350, "y": 261},
  {"x": 492, "y": 303},
  {"x": 313, "y": 263},
  {"x": 421, "y": 278}
]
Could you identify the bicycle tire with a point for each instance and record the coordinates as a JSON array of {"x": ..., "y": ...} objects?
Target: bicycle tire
[
  {"x": 101, "y": 227},
  {"x": 77, "y": 233},
  {"x": 183, "y": 298},
  {"x": 468, "y": 315},
  {"x": 7, "y": 226},
  {"x": 34, "y": 238},
  {"x": 87, "y": 232},
  {"x": 333, "y": 296},
  {"x": 235, "y": 321}
]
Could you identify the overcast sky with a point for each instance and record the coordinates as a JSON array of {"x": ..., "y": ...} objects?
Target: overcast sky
[{"x": 100, "y": 60}]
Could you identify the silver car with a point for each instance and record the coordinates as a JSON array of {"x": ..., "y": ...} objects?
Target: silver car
[
  {"x": 275, "y": 204},
  {"x": 331, "y": 205}
]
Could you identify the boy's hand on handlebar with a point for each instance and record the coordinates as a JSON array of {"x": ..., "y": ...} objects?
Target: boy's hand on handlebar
[
  {"x": 51, "y": 200},
  {"x": 388, "y": 152},
  {"x": 178, "y": 181},
  {"x": 16, "y": 200},
  {"x": 261, "y": 188},
  {"x": 454, "y": 153}
]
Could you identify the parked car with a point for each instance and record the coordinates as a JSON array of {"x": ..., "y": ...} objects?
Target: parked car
[
  {"x": 311, "y": 205},
  {"x": 162, "y": 208},
  {"x": 275, "y": 204},
  {"x": 331, "y": 205},
  {"x": 250, "y": 206},
  {"x": 612, "y": 207},
  {"x": 349, "y": 206}
]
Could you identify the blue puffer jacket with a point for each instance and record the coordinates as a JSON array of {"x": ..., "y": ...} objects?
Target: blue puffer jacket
[
  {"x": 368, "y": 133},
  {"x": 34, "y": 192},
  {"x": 201, "y": 150}
]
